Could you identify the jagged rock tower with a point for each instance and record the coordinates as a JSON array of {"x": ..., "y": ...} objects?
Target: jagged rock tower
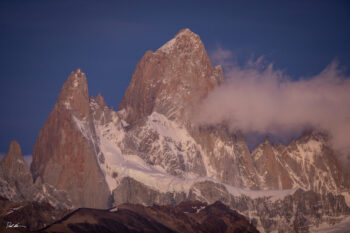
[{"x": 63, "y": 156}]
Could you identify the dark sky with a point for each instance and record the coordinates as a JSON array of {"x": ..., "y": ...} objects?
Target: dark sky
[{"x": 41, "y": 42}]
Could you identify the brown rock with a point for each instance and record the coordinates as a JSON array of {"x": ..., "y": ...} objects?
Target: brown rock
[
  {"x": 171, "y": 80},
  {"x": 63, "y": 156},
  {"x": 308, "y": 163},
  {"x": 269, "y": 167},
  {"x": 13, "y": 163},
  {"x": 228, "y": 155},
  {"x": 15, "y": 171}
]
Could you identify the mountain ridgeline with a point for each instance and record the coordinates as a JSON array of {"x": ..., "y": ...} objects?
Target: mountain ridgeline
[{"x": 150, "y": 151}]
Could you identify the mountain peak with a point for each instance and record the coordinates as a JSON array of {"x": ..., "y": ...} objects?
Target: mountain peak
[
  {"x": 77, "y": 78},
  {"x": 14, "y": 149},
  {"x": 316, "y": 135},
  {"x": 100, "y": 100},
  {"x": 98, "y": 105},
  {"x": 63, "y": 155},
  {"x": 13, "y": 164},
  {"x": 74, "y": 94},
  {"x": 186, "y": 32},
  {"x": 185, "y": 40},
  {"x": 172, "y": 80},
  {"x": 13, "y": 159}
]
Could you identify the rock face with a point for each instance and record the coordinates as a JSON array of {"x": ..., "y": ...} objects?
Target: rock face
[
  {"x": 227, "y": 155},
  {"x": 63, "y": 156},
  {"x": 16, "y": 183},
  {"x": 15, "y": 172},
  {"x": 186, "y": 217},
  {"x": 270, "y": 168},
  {"x": 159, "y": 141},
  {"x": 132, "y": 191},
  {"x": 307, "y": 163},
  {"x": 170, "y": 80}
]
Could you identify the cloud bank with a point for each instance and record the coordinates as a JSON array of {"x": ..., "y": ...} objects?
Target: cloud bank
[{"x": 260, "y": 100}]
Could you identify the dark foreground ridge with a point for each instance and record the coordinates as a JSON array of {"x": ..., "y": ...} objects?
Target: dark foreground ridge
[
  {"x": 186, "y": 217},
  {"x": 27, "y": 216}
]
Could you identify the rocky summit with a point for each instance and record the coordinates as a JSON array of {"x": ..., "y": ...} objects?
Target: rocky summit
[
  {"x": 63, "y": 155},
  {"x": 171, "y": 80},
  {"x": 151, "y": 152},
  {"x": 15, "y": 174}
]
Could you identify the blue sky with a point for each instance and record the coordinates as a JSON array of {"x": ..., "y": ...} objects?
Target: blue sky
[{"x": 41, "y": 42}]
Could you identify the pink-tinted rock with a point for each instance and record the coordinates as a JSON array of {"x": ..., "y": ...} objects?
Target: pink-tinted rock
[
  {"x": 171, "y": 80},
  {"x": 63, "y": 156}
]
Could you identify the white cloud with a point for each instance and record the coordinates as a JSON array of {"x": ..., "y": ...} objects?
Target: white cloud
[
  {"x": 258, "y": 99},
  {"x": 28, "y": 159}
]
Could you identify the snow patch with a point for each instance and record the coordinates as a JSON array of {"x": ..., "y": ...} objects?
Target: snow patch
[
  {"x": 115, "y": 209},
  {"x": 14, "y": 209},
  {"x": 341, "y": 227},
  {"x": 199, "y": 209},
  {"x": 347, "y": 198},
  {"x": 117, "y": 165},
  {"x": 170, "y": 45},
  {"x": 273, "y": 195},
  {"x": 167, "y": 47},
  {"x": 75, "y": 82}
]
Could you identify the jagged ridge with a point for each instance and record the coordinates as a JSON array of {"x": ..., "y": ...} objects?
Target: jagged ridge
[{"x": 150, "y": 152}]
